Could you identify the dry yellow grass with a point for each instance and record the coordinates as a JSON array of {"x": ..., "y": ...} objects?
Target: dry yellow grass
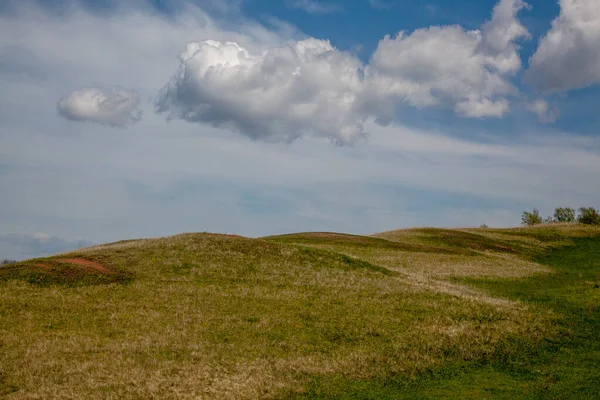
[{"x": 486, "y": 265}]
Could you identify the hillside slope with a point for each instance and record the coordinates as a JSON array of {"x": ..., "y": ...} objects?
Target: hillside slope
[{"x": 314, "y": 315}]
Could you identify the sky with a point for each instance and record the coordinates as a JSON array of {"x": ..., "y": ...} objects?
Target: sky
[{"x": 147, "y": 118}]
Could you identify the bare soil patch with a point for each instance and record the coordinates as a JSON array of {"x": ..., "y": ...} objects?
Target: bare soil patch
[{"x": 80, "y": 262}]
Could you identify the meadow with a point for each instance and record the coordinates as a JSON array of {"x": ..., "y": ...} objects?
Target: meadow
[{"x": 415, "y": 314}]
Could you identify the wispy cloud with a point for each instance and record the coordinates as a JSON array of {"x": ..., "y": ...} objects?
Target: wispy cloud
[
  {"x": 14, "y": 245},
  {"x": 381, "y": 4},
  {"x": 544, "y": 111},
  {"x": 314, "y": 6}
]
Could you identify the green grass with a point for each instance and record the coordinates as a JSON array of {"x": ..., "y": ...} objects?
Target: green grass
[
  {"x": 408, "y": 314},
  {"x": 565, "y": 366}
]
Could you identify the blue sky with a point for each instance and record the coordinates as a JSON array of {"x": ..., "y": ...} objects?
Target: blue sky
[{"x": 149, "y": 118}]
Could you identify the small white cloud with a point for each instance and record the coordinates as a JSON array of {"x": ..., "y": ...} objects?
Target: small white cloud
[
  {"x": 543, "y": 110},
  {"x": 114, "y": 107},
  {"x": 568, "y": 56},
  {"x": 314, "y": 6},
  {"x": 280, "y": 94}
]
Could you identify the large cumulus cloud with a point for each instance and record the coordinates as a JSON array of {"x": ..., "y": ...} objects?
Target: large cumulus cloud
[
  {"x": 467, "y": 70},
  {"x": 568, "y": 56},
  {"x": 280, "y": 94},
  {"x": 115, "y": 107},
  {"x": 310, "y": 88}
]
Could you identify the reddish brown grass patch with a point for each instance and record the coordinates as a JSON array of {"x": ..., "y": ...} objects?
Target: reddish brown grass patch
[{"x": 90, "y": 265}]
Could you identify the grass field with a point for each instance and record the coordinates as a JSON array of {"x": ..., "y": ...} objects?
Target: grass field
[{"x": 418, "y": 313}]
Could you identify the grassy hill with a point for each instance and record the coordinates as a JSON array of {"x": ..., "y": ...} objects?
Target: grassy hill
[{"x": 419, "y": 313}]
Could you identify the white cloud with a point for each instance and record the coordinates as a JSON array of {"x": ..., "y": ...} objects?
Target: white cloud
[
  {"x": 285, "y": 92},
  {"x": 314, "y": 6},
  {"x": 111, "y": 107},
  {"x": 310, "y": 88},
  {"x": 568, "y": 56},
  {"x": 499, "y": 35},
  {"x": 468, "y": 70},
  {"x": 543, "y": 110}
]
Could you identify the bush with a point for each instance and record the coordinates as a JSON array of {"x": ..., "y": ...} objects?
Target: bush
[
  {"x": 564, "y": 214},
  {"x": 531, "y": 218},
  {"x": 588, "y": 216},
  {"x": 6, "y": 261}
]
